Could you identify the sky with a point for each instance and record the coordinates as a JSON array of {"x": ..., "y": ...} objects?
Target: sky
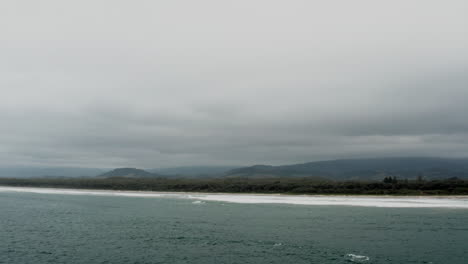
[{"x": 178, "y": 83}]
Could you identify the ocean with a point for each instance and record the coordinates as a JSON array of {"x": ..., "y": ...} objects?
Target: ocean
[{"x": 66, "y": 226}]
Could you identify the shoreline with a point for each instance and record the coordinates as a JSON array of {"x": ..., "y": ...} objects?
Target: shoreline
[
  {"x": 396, "y": 201},
  {"x": 246, "y": 193}
]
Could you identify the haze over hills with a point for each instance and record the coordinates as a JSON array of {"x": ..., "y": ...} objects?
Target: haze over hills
[
  {"x": 40, "y": 172},
  {"x": 194, "y": 171},
  {"x": 30, "y": 172},
  {"x": 376, "y": 168},
  {"x": 345, "y": 169},
  {"x": 128, "y": 173}
]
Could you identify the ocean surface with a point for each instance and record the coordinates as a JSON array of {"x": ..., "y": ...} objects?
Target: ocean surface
[{"x": 66, "y": 226}]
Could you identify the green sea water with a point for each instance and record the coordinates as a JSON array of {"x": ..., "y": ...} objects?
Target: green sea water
[{"x": 54, "y": 228}]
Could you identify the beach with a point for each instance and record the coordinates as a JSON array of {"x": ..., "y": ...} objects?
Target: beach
[{"x": 325, "y": 200}]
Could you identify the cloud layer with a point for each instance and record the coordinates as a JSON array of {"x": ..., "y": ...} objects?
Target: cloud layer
[{"x": 170, "y": 83}]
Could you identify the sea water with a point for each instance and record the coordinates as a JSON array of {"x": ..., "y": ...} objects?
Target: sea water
[{"x": 121, "y": 227}]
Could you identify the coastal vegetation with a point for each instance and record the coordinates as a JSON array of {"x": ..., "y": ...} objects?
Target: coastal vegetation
[{"x": 389, "y": 186}]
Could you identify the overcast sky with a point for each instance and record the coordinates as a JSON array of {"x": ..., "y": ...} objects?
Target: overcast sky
[{"x": 214, "y": 82}]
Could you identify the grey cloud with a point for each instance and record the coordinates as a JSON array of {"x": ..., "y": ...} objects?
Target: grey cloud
[{"x": 154, "y": 84}]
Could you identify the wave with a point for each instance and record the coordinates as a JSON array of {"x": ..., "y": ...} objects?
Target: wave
[
  {"x": 356, "y": 258},
  {"x": 367, "y": 201}
]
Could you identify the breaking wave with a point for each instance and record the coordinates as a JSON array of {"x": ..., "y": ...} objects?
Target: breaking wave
[{"x": 356, "y": 258}]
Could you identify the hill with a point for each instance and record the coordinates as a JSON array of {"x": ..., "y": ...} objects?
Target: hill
[
  {"x": 127, "y": 173},
  {"x": 193, "y": 171},
  {"x": 344, "y": 169},
  {"x": 362, "y": 169}
]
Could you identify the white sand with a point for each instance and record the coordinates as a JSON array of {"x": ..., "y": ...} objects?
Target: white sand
[{"x": 369, "y": 201}]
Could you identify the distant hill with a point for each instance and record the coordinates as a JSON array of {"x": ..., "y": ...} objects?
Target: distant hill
[
  {"x": 360, "y": 169},
  {"x": 344, "y": 169},
  {"x": 193, "y": 171},
  {"x": 34, "y": 172},
  {"x": 128, "y": 173}
]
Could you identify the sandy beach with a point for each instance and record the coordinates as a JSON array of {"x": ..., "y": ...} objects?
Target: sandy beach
[{"x": 341, "y": 200}]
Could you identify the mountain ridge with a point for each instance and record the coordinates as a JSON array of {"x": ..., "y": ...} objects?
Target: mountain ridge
[
  {"x": 371, "y": 168},
  {"x": 338, "y": 169},
  {"x": 127, "y": 173}
]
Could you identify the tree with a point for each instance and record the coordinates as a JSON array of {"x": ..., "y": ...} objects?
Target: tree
[{"x": 420, "y": 177}]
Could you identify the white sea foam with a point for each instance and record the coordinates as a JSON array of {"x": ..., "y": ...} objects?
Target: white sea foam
[
  {"x": 356, "y": 258},
  {"x": 368, "y": 201}
]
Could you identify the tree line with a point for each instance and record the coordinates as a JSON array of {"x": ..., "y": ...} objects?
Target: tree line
[{"x": 389, "y": 186}]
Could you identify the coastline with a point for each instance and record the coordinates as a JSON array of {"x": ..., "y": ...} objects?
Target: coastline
[
  {"x": 396, "y": 201},
  {"x": 246, "y": 193}
]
